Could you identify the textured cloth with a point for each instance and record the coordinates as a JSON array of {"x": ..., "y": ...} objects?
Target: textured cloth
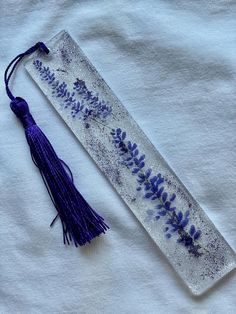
[{"x": 173, "y": 65}]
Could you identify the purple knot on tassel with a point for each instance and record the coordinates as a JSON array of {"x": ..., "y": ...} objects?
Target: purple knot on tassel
[{"x": 21, "y": 109}]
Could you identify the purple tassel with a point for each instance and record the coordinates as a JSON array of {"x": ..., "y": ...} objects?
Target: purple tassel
[{"x": 80, "y": 222}]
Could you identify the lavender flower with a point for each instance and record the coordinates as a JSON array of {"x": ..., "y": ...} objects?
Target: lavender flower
[
  {"x": 152, "y": 187},
  {"x": 89, "y": 107},
  {"x": 99, "y": 107}
]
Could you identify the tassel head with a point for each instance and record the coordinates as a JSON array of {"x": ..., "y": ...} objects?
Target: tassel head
[{"x": 21, "y": 109}]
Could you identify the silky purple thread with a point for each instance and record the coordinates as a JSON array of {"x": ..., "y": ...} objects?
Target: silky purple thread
[{"x": 80, "y": 223}]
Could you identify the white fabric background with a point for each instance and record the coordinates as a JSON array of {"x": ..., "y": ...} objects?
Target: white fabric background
[{"x": 173, "y": 65}]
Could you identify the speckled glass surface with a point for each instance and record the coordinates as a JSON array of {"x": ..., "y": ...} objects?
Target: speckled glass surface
[{"x": 159, "y": 200}]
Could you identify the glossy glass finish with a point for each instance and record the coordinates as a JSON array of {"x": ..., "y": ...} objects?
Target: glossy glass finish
[{"x": 153, "y": 192}]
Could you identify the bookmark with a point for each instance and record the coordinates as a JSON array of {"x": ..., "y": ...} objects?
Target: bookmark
[{"x": 150, "y": 188}]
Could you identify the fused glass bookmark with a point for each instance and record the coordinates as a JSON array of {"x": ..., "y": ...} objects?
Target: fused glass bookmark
[{"x": 153, "y": 192}]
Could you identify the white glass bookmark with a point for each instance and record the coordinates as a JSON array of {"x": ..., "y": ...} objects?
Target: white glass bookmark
[{"x": 153, "y": 192}]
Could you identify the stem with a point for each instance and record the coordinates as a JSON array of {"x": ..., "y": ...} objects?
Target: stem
[{"x": 106, "y": 126}]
